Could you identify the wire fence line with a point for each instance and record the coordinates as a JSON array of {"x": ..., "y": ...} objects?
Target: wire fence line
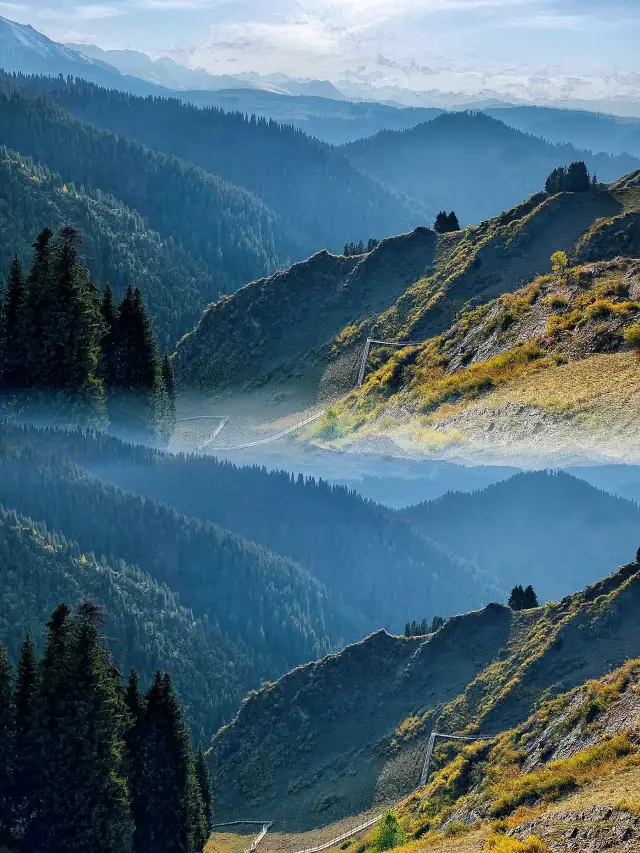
[
  {"x": 259, "y": 442},
  {"x": 326, "y": 845}
]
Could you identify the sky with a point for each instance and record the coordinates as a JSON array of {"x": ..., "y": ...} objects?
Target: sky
[{"x": 573, "y": 48}]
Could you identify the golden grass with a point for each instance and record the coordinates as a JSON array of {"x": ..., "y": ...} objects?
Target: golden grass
[
  {"x": 504, "y": 844},
  {"x": 620, "y": 789},
  {"x": 472, "y": 842},
  {"x": 559, "y": 778},
  {"x": 599, "y": 386}
]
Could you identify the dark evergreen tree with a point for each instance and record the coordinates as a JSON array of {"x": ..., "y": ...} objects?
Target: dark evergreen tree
[
  {"x": 36, "y": 313},
  {"x": 204, "y": 784},
  {"x": 454, "y": 225},
  {"x": 14, "y": 372},
  {"x": 530, "y": 598},
  {"x": 516, "y": 599},
  {"x": 574, "y": 179},
  {"x": 27, "y": 762},
  {"x": 446, "y": 222},
  {"x": 109, "y": 344},
  {"x": 135, "y": 403},
  {"x": 578, "y": 180},
  {"x": 94, "y": 813},
  {"x": 436, "y": 623},
  {"x": 49, "y": 787},
  {"x": 134, "y": 702},
  {"x": 169, "y": 391},
  {"x": 174, "y": 818},
  {"x": 523, "y": 599},
  {"x": 6, "y": 742}
]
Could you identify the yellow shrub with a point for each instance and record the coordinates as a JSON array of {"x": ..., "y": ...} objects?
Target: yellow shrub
[
  {"x": 479, "y": 378},
  {"x": 557, "y": 323},
  {"x": 505, "y": 844},
  {"x": 600, "y": 308},
  {"x": 556, "y": 301},
  {"x": 632, "y": 335},
  {"x": 623, "y": 309}
]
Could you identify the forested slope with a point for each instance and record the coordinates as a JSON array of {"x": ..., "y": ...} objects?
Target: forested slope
[
  {"x": 260, "y": 613},
  {"x": 148, "y": 627},
  {"x": 542, "y": 528},
  {"x": 315, "y": 190},
  {"x": 471, "y": 163},
  {"x": 370, "y": 564},
  {"x": 224, "y": 230},
  {"x": 118, "y": 245}
]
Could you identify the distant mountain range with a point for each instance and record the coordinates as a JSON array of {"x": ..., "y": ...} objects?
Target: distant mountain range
[
  {"x": 166, "y": 72},
  {"x": 317, "y": 107},
  {"x": 27, "y": 51}
]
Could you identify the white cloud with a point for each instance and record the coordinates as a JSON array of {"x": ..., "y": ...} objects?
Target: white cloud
[
  {"x": 83, "y": 12},
  {"x": 512, "y": 46}
]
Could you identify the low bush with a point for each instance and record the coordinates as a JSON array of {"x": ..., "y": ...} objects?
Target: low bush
[{"x": 632, "y": 335}]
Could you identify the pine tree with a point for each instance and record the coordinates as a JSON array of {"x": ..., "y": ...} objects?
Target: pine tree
[
  {"x": 205, "y": 786},
  {"x": 174, "y": 818},
  {"x": 516, "y": 599},
  {"x": 446, "y": 222},
  {"x": 170, "y": 407},
  {"x": 37, "y": 299},
  {"x": 134, "y": 762},
  {"x": 26, "y": 763},
  {"x": 530, "y": 598},
  {"x": 136, "y": 402},
  {"x": 109, "y": 360},
  {"x": 577, "y": 180},
  {"x": 74, "y": 323},
  {"x": 96, "y": 817},
  {"x": 14, "y": 318},
  {"x": 453, "y": 224},
  {"x": 51, "y": 755},
  {"x": 6, "y": 741},
  {"x": 441, "y": 223}
]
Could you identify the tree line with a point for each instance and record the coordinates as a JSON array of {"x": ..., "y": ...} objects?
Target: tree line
[
  {"x": 89, "y": 763},
  {"x": 67, "y": 351},
  {"x": 446, "y": 222},
  {"x": 352, "y": 249},
  {"x": 419, "y": 629},
  {"x": 574, "y": 178}
]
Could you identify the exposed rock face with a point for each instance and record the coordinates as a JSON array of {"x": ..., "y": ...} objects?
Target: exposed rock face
[{"x": 591, "y": 831}]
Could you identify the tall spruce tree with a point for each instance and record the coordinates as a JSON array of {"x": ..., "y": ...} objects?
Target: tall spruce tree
[
  {"x": 136, "y": 401},
  {"x": 14, "y": 373},
  {"x": 51, "y": 705},
  {"x": 174, "y": 818},
  {"x": 26, "y": 763},
  {"x": 35, "y": 314},
  {"x": 97, "y": 816},
  {"x": 169, "y": 402},
  {"x": 135, "y": 705},
  {"x": 204, "y": 783},
  {"x": 6, "y": 742},
  {"x": 109, "y": 313}
]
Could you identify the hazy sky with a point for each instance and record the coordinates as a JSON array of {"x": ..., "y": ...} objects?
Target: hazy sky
[{"x": 463, "y": 44}]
